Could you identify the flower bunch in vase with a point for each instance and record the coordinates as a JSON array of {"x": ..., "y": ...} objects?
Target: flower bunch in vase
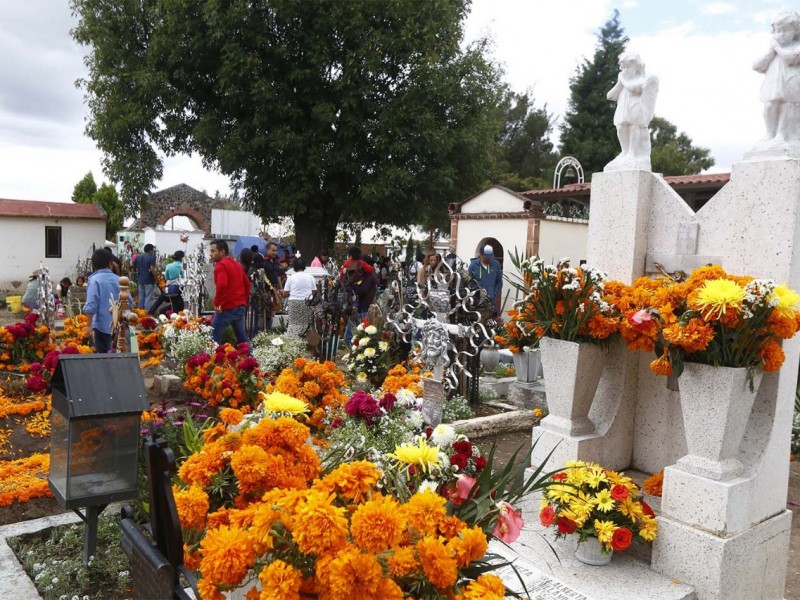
[
  {"x": 599, "y": 505},
  {"x": 228, "y": 377},
  {"x": 368, "y": 353},
  {"x": 560, "y": 301},
  {"x": 712, "y": 318}
]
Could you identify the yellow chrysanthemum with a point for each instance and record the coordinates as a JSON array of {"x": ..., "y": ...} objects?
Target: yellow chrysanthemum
[
  {"x": 486, "y": 587},
  {"x": 716, "y": 296},
  {"x": 280, "y": 403},
  {"x": 378, "y": 524},
  {"x": 280, "y": 581},
  {"x": 603, "y": 501},
  {"x": 421, "y": 455},
  {"x": 787, "y": 300},
  {"x": 604, "y": 530},
  {"x": 648, "y": 529}
]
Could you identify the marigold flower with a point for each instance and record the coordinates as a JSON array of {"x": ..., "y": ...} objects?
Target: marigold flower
[
  {"x": 355, "y": 480},
  {"x": 437, "y": 562},
  {"x": 357, "y": 576},
  {"x": 424, "y": 511},
  {"x": 403, "y": 561},
  {"x": 661, "y": 365},
  {"x": 469, "y": 546},
  {"x": 695, "y": 337},
  {"x": 378, "y": 525},
  {"x": 653, "y": 484},
  {"x": 280, "y": 581},
  {"x": 773, "y": 356},
  {"x": 486, "y": 587},
  {"x": 192, "y": 505},
  {"x": 319, "y": 526},
  {"x": 227, "y": 555}
]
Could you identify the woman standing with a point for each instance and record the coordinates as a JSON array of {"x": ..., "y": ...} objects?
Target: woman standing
[{"x": 298, "y": 288}]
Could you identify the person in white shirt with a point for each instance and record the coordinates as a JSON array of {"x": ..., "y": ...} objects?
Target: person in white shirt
[{"x": 298, "y": 288}]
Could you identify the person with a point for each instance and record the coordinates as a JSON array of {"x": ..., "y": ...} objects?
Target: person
[
  {"x": 363, "y": 287},
  {"x": 80, "y": 281},
  {"x": 635, "y": 95},
  {"x": 431, "y": 262},
  {"x": 30, "y": 299},
  {"x": 322, "y": 259},
  {"x": 232, "y": 296},
  {"x": 416, "y": 267},
  {"x": 144, "y": 264},
  {"x": 116, "y": 263},
  {"x": 63, "y": 288},
  {"x": 383, "y": 273},
  {"x": 354, "y": 256},
  {"x": 298, "y": 288},
  {"x": 172, "y": 289},
  {"x": 103, "y": 287},
  {"x": 258, "y": 258},
  {"x": 489, "y": 274},
  {"x": 274, "y": 274},
  {"x": 780, "y": 91}
]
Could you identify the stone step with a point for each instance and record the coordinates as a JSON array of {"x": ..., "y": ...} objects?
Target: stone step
[{"x": 561, "y": 576}]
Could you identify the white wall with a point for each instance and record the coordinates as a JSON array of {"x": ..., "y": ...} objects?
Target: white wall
[
  {"x": 234, "y": 223},
  {"x": 562, "y": 238},
  {"x": 23, "y": 248},
  {"x": 493, "y": 200},
  {"x": 168, "y": 242}
]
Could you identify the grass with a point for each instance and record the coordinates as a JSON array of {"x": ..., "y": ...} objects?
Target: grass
[{"x": 53, "y": 559}]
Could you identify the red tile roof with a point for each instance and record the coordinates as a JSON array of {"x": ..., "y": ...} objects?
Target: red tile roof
[{"x": 61, "y": 210}]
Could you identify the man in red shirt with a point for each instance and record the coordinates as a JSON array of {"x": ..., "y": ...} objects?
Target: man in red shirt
[{"x": 233, "y": 294}]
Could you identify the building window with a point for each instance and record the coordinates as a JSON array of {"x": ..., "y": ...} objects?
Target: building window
[{"x": 52, "y": 242}]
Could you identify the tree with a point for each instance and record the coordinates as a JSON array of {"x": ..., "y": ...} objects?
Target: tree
[
  {"x": 673, "y": 152},
  {"x": 85, "y": 190},
  {"x": 526, "y": 156},
  {"x": 327, "y": 111},
  {"x": 588, "y": 131}
]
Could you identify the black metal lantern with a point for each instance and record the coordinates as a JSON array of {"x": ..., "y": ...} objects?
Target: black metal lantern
[{"x": 98, "y": 401}]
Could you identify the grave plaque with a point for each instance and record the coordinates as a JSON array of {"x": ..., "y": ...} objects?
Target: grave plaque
[
  {"x": 540, "y": 586},
  {"x": 434, "y": 397}
]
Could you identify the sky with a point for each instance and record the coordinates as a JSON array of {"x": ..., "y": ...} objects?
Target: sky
[{"x": 702, "y": 51}]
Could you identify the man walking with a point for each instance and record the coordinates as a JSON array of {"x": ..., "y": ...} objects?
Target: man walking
[
  {"x": 144, "y": 264},
  {"x": 233, "y": 294},
  {"x": 103, "y": 287},
  {"x": 489, "y": 274}
]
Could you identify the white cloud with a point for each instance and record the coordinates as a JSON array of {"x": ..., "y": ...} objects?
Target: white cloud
[{"x": 718, "y": 8}]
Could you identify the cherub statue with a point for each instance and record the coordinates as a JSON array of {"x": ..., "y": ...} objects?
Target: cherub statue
[
  {"x": 780, "y": 91},
  {"x": 635, "y": 94}
]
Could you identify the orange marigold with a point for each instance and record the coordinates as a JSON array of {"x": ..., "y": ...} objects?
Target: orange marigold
[
  {"x": 653, "y": 484},
  {"x": 249, "y": 464},
  {"x": 231, "y": 416},
  {"x": 355, "y": 480},
  {"x": 661, "y": 365},
  {"x": 378, "y": 525},
  {"x": 356, "y": 576},
  {"x": 469, "y": 546},
  {"x": 450, "y": 526},
  {"x": 403, "y": 561},
  {"x": 695, "y": 337},
  {"x": 486, "y": 587},
  {"x": 280, "y": 581},
  {"x": 319, "y": 526},
  {"x": 773, "y": 356},
  {"x": 784, "y": 326},
  {"x": 437, "y": 562},
  {"x": 227, "y": 555},
  {"x": 192, "y": 505},
  {"x": 424, "y": 511}
]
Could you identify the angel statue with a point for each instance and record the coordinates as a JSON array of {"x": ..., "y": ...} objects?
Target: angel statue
[{"x": 635, "y": 94}]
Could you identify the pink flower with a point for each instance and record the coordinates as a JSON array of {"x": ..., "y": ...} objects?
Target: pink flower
[
  {"x": 464, "y": 486},
  {"x": 509, "y": 523},
  {"x": 640, "y": 320}
]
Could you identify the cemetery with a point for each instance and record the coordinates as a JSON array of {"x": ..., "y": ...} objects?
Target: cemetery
[{"x": 618, "y": 422}]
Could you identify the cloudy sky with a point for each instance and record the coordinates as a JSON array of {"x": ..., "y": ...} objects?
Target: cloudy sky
[{"x": 702, "y": 52}]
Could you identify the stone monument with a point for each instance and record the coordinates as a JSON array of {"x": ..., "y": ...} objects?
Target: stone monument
[{"x": 635, "y": 94}]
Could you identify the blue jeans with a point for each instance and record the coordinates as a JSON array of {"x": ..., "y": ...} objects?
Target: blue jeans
[
  {"x": 234, "y": 317},
  {"x": 102, "y": 341},
  {"x": 145, "y": 295}
]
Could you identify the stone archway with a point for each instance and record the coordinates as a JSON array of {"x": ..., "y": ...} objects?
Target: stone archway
[
  {"x": 181, "y": 199},
  {"x": 496, "y": 246}
]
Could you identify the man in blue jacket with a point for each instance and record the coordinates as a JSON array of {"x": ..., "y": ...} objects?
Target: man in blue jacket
[{"x": 489, "y": 274}]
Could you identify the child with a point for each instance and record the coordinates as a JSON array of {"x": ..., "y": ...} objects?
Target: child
[
  {"x": 780, "y": 91},
  {"x": 102, "y": 291}
]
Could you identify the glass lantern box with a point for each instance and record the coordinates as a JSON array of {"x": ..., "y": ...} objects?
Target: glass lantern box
[{"x": 98, "y": 400}]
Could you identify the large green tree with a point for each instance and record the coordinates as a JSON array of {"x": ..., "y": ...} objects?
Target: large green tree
[
  {"x": 86, "y": 192},
  {"x": 526, "y": 156},
  {"x": 327, "y": 111},
  {"x": 587, "y": 131}
]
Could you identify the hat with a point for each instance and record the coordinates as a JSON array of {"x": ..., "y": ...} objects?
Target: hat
[{"x": 488, "y": 250}]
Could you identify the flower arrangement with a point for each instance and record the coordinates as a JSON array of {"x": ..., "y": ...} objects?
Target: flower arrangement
[
  {"x": 40, "y": 374},
  {"x": 520, "y": 332},
  {"x": 400, "y": 377},
  {"x": 23, "y": 343},
  {"x": 712, "y": 318},
  {"x": 368, "y": 354},
  {"x": 275, "y": 352},
  {"x": 318, "y": 384},
  {"x": 183, "y": 337},
  {"x": 74, "y": 332},
  {"x": 561, "y": 302},
  {"x": 597, "y": 503},
  {"x": 23, "y": 479},
  {"x": 229, "y": 377}
]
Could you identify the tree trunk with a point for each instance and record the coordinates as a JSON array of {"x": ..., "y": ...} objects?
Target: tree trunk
[{"x": 314, "y": 234}]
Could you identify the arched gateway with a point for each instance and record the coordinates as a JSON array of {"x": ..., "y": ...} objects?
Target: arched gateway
[{"x": 181, "y": 199}]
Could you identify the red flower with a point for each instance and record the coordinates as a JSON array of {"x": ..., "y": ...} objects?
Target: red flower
[
  {"x": 640, "y": 320},
  {"x": 459, "y": 460},
  {"x": 621, "y": 538},
  {"x": 559, "y": 477},
  {"x": 480, "y": 463},
  {"x": 547, "y": 515},
  {"x": 463, "y": 447},
  {"x": 647, "y": 510},
  {"x": 249, "y": 364},
  {"x": 566, "y": 525},
  {"x": 619, "y": 492}
]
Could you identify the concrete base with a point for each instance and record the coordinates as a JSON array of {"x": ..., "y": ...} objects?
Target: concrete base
[
  {"x": 498, "y": 386},
  {"x": 168, "y": 385},
  {"x": 749, "y": 565},
  {"x": 527, "y": 395}
]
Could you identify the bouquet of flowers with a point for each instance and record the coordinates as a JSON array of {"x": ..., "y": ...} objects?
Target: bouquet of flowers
[
  {"x": 367, "y": 357},
  {"x": 23, "y": 343},
  {"x": 274, "y": 351},
  {"x": 712, "y": 318},
  {"x": 561, "y": 302},
  {"x": 229, "y": 377},
  {"x": 183, "y": 336},
  {"x": 597, "y": 503}
]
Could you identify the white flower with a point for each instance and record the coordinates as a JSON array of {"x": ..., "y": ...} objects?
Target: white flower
[
  {"x": 162, "y": 318},
  {"x": 355, "y": 346},
  {"x": 415, "y": 419},
  {"x": 406, "y": 398},
  {"x": 427, "y": 486},
  {"x": 371, "y": 330},
  {"x": 361, "y": 377},
  {"x": 443, "y": 435},
  {"x": 360, "y": 327},
  {"x": 384, "y": 346},
  {"x": 363, "y": 341},
  {"x": 369, "y": 352},
  {"x": 277, "y": 341},
  {"x": 174, "y": 316}
]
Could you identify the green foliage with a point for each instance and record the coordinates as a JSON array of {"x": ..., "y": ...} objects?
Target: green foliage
[
  {"x": 410, "y": 251},
  {"x": 54, "y": 561},
  {"x": 327, "y": 111},
  {"x": 527, "y": 158},
  {"x": 588, "y": 131},
  {"x": 673, "y": 152},
  {"x": 85, "y": 190}
]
